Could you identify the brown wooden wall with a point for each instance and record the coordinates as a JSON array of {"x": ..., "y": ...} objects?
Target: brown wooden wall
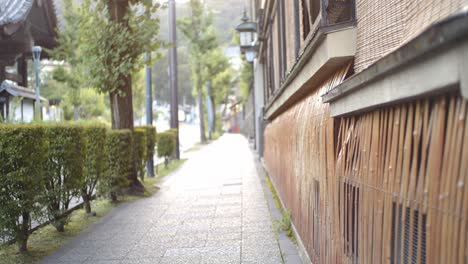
[
  {"x": 299, "y": 156},
  {"x": 395, "y": 192}
]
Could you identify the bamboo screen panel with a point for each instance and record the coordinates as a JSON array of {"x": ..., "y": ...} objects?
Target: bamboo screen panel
[
  {"x": 385, "y": 25},
  {"x": 403, "y": 192},
  {"x": 299, "y": 157}
]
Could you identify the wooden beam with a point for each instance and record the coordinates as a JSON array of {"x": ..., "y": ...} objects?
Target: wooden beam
[
  {"x": 13, "y": 77},
  {"x": 22, "y": 69}
]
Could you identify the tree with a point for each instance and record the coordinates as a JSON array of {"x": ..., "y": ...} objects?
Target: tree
[
  {"x": 198, "y": 29},
  {"x": 68, "y": 50},
  {"x": 113, "y": 36},
  {"x": 139, "y": 94},
  {"x": 184, "y": 80},
  {"x": 214, "y": 64},
  {"x": 246, "y": 77}
]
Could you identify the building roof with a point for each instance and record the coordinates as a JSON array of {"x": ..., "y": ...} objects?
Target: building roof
[
  {"x": 14, "y": 11},
  {"x": 26, "y": 23},
  {"x": 18, "y": 91}
]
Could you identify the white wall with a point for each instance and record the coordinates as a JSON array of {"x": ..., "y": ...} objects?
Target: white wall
[
  {"x": 14, "y": 112},
  {"x": 28, "y": 110},
  {"x": 259, "y": 103}
]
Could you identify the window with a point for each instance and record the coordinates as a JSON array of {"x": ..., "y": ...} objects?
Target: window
[
  {"x": 408, "y": 235},
  {"x": 338, "y": 11},
  {"x": 333, "y": 12},
  {"x": 351, "y": 216}
]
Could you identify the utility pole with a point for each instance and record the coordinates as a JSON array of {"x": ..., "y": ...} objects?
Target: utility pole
[
  {"x": 173, "y": 73},
  {"x": 149, "y": 109}
]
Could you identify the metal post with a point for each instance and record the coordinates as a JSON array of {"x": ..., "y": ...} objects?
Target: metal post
[
  {"x": 173, "y": 73},
  {"x": 149, "y": 110},
  {"x": 38, "y": 98},
  {"x": 36, "y": 55}
]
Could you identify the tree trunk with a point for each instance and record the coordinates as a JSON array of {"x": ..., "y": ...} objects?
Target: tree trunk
[
  {"x": 200, "y": 105},
  {"x": 122, "y": 118},
  {"x": 59, "y": 226},
  {"x": 113, "y": 197},
  {"x": 122, "y": 106},
  {"x": 87, "y": 203},
  {"x": 24, "y": 233},
  {"x": 213, "y": 107},
  {"x": 75, "y": 113}
]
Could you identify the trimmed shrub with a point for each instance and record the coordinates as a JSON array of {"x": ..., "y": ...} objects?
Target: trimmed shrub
[
  {"x": 94, "y": 161},
  {"x": 166, "y": 145},
  {"x": 150, "y": 140},
  {"x": 22, "y": 150},
  {"x": 119, "y": 161},
  {"x": 139, "y": 151},
  {"x": 63, "y": 170}
]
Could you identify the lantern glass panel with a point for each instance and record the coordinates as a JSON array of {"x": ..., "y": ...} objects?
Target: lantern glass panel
[
  {"x": 250, "y": 55},
  {"x": 245, "y": 38}
]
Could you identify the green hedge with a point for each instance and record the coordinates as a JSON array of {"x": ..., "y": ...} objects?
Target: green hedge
[
  {"x": 150, "y": 140},
  {"x": 63, "y": 169},
  {"x": 166, "y": 145},
  {"x": 44, "y": 166},
  {"x": 22, "y": 150},
  {"x": 94, "y": 161},
  {"x": 139, "y": 151},
  {"x": 119, "y": 160}
]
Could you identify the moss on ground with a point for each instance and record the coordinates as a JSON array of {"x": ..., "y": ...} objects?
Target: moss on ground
[
  {"x": 163, "y": 172},
  {"x": 285, "y": 223}
]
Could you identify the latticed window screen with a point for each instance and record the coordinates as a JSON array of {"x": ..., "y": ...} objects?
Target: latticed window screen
[
  {"x": 351, "y": 217},
  {"x": 338, "y": 11},
  {"x": 310, "y": 11},
  {"x": 406, "y": 233}
]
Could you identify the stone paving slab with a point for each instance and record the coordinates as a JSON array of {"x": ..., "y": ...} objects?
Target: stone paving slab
[{"x": 212, "y": 210}]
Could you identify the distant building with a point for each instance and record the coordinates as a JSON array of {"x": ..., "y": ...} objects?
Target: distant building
[
  {"x": 23, "y": 24},
  {"x": 365, "y": 125},
  {"x": 17, "y": 103}
]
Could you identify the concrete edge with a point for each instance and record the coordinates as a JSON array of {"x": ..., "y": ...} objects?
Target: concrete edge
[
  {"x": 301, "y": 253},
  {"x": 301, "y": 248}
]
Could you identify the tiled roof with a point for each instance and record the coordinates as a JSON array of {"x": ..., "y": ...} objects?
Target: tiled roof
[
  {"x": 14, "y": 11},
  {"x": 18, "y": 91}
]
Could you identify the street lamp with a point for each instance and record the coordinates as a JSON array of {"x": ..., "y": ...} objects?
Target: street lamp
[
  {"x": 247, "y": 30},
  {"x": 36, "y": 54}
]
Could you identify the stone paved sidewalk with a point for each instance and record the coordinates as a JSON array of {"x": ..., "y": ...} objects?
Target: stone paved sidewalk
[{"x": 212, "y": 210}]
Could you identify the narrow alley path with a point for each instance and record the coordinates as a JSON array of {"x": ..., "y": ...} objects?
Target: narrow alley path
[{"x": 212, "y": 210}]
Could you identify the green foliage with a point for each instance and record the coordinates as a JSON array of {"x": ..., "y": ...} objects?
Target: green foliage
[
  {"x": 63, "y": 169},
  {"x": 69, "y": 50},
  {"x": 138, "y": 94},
  {"x": 202, "y": 40},
  {"x": 150, "y": 132},
  {"x": 92, "y": 106},
  {"x": 112, "y": 49},
  {"x": 22, "y": 151},
  {"x": 139, "y": 151},
  {"x": 119, "y": 163},
  {"x": 94, "y": 161},
  {"x": 166, "y": 145},
  {"x": 184, "y": 80},
  {"x": 246, "y": 79}
]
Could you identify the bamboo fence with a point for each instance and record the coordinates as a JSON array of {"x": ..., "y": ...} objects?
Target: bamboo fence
[{"x": 387, "y": 186}]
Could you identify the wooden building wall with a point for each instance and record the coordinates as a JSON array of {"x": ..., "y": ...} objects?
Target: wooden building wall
[
  {"x": 386, "y": 186},
  {"x": 299, "y": 156}
]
